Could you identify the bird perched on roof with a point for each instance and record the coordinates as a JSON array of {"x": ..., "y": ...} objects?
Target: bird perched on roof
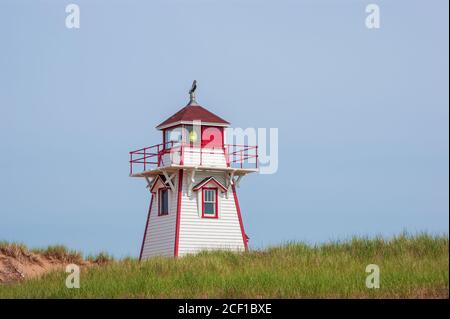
[
  {"x": 192, "y": 100},
  {"x": 194, "y": 87}
]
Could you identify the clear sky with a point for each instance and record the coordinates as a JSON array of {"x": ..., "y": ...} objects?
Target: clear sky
[{"x": 363, "y": 115}]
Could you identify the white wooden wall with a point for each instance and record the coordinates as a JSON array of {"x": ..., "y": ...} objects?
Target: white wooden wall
[
  {"x": 197, "y": 233},
  {"x": 160, "y": 238},
  {"x": 214, "y": 157},
  {"x": 209, "y": 157}
]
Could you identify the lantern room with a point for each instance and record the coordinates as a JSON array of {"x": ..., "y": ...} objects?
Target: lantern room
[
  {"x": 193, "y": 125},
  {"x": 194, "y": 137}
]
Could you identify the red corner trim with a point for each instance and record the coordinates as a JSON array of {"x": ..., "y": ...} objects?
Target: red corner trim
[
  {"x": 146, "y": 228},
  {"x": 244, "y": 237}
]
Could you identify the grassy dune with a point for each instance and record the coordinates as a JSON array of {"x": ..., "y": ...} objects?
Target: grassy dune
[{"x": 410, "y": 267}]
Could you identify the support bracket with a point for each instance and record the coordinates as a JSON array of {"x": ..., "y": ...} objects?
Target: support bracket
[
  {"x": 149, "y": 182},
  {"x": 169, "y": 180},
  {"x": 191, "y": 181}
]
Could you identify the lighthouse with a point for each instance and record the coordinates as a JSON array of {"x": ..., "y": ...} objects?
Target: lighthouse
[{"x": 192, "y": 177}]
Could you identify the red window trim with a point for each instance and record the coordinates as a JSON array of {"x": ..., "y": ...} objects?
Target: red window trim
[
  {"x": 155, "y": 183},
  {"x": 208, "y": 180},
  {"x": 159, "y": 201},
  {"x": 203, "y": 202}
]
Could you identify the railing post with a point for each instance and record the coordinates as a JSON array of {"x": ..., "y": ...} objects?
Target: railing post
[
  {"x": 158, "y": 155},
  {"x": 172, "y": 152},
  {"x": 131, "y": 163},
  {"x": 241, "y": 157},
  {"x": 145, "y": 160},
  {"x": 225, "y": 153},
  {"x": 181, "y": 154},
  {"x": 256, "y": 156}
]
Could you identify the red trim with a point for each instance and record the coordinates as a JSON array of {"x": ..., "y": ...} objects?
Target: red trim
[
  {"x": 209, "y": 180},
  {"x": 156, "y": 182},
  {"x": 164, "y": 139},
  {"x": 203, "y": 203},
  {"x": 244, "y": 237},
  {"x": 177, "y": 228},
  {"x": 181, "y": 155},
  {"x": 159, "y": 201},
  {"x": 146, "y": 227},
  {"x": 150, "y": 158}
]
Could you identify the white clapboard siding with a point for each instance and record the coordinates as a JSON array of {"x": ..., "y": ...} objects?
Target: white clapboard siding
[
  {"x": 212, "y": 157},
  {"x": 197, "y": 233},
  {"x": 168, "y": 159},
  {"x": 160, "y": 238}
]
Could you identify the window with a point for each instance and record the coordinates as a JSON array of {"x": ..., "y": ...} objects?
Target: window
[
  {"x": 191, "y": 135},
  {"x": 210, "y": 202},
  {"x": 163, "y": 208},
  {"x": 172, "y": 137}
]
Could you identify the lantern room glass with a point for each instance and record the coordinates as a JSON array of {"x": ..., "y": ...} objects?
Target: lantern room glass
[{"x": 173, "y": 137}]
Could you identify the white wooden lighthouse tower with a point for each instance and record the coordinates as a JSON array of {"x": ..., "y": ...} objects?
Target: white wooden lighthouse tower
[{"x": 192, "y": 176}]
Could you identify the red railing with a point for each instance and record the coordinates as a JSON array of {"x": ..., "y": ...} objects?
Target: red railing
[
  {"x": 241, "y": 156},
  {"x": 148, "y": 158}
]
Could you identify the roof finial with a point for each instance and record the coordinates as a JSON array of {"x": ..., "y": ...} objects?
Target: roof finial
[{"x": 192, "y": 100}]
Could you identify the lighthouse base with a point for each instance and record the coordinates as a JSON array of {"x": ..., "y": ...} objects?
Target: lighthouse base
[{"x": 191, "y": 224}]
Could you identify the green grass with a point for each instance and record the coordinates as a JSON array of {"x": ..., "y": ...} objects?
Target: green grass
[
  {"x": 410, "y": 267},
  {"x": 57, "y": 252}
]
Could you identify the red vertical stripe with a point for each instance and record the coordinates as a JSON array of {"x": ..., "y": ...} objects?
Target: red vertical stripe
[
  {"x": 146, "y": 227},
  {"x": 244, "y": 237},
  {"x": 177, "y": 228}
]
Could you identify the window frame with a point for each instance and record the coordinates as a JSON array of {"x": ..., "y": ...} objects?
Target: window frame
[
  {"x": 168, "y": 143},
  {"x": 216, "y": 199},
  {"x": 160, "y": 192}
]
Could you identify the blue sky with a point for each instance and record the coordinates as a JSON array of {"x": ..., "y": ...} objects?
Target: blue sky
[{"x": 362, "y": 114}]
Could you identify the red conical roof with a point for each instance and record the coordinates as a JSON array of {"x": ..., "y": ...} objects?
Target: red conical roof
[{"x": 193, "y": 112}]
